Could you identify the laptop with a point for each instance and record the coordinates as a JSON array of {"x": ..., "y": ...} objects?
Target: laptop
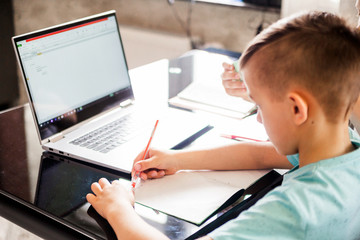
[{"x": 79, "y": 90}]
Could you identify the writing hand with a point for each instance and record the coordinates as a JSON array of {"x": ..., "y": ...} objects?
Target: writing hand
[{"x": 156, "y": 165}]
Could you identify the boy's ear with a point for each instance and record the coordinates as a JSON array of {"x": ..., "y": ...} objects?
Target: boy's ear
[{"x": 299, "y": 108}]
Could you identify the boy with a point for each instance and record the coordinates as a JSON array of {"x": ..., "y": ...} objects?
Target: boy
[{"x": 303, "y": 73}]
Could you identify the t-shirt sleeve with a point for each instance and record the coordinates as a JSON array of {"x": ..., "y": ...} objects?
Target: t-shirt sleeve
[
  {"x": 270, "y": 218},
  {"x": 293, "y": 159},
  {"x": 354, "y": 135}
]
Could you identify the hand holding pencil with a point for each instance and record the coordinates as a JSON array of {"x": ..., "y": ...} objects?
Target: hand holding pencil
[
  {"x": 156, "y": 164},
  {"x": 232, "y": 84},
  {"x": 136, "y": 176}
]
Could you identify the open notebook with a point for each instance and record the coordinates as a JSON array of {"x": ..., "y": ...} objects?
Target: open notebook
[{"x": 194, "y": 195}]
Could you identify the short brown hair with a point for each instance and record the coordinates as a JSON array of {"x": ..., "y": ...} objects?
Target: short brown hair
[{"x": 315, "y": 50}]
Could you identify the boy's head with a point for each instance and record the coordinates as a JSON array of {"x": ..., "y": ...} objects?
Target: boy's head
[{"x": 316, "y": 52}]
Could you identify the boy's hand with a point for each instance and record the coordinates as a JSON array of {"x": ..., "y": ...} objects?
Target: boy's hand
[
  {"x": 108, "y": 198},
  {"x": 232, "y": 83},
  {"x": 156, "y": 165}
]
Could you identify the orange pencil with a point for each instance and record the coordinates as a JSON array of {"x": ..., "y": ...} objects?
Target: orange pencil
[{"x": 136, "y": 176}]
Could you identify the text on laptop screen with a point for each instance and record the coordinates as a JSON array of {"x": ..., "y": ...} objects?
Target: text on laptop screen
[{"x": 72, "y": 69}]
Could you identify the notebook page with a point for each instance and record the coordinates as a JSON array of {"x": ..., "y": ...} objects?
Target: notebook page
[{"x": 193, "y": 195}]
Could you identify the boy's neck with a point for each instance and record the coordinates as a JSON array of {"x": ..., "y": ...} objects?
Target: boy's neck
[{"x": 324, "y": 141}]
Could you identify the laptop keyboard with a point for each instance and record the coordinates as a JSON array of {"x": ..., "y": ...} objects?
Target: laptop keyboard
[{"x": 109, "y": 136}]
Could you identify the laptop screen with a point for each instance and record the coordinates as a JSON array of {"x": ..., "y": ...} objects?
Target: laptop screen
[{"x": 73, "y": 71}]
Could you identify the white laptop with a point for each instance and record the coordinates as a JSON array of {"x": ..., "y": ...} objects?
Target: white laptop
[{"x": 78, "y": 85}]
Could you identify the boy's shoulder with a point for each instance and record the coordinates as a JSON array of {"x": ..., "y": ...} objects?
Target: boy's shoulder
[
  {"x": 317, "y": 192},
  {"x": 342, "y": 171},
  {"x": 317, "y": 201}
]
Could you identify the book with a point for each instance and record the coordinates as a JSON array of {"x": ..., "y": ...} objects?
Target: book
[{"x": 206, "y": 91}]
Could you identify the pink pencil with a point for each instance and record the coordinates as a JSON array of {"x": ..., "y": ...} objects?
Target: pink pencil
[{"x": 241, "y": 138}]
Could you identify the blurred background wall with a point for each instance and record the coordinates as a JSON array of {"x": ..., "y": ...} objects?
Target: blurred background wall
[
  {"x": 151, "y": 29},
  {"x": 9, "y": 89},
  {"x": 231, "y": 26}
]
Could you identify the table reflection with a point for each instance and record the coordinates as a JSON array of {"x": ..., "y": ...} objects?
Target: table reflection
[
  {"x": 63, "y": 184},
  {"x": 14, "y": 159}
]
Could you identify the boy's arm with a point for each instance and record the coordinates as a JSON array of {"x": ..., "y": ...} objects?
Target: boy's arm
[
  {"x": 115, "y": 202},
  {"x": 128, "y": 225},
  {"x": 244, "y": 155}
]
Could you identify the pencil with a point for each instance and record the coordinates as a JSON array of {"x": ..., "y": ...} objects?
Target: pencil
[
  {"x": 239, "y": 138},
  {"x": 251, "y": 112},
  {"x": 135, "y": 177}
]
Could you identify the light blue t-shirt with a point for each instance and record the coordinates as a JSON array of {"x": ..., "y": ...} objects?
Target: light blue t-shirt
[{"x": 318, "y": 201}]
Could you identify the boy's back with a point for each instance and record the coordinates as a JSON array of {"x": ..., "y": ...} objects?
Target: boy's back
[
  {"x": 317, "y": 201},
  {"x": 303, "y": 73}
]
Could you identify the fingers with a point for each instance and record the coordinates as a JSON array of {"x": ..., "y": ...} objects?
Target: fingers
[
  {"x": 137, "y": 159},
  {"x": 90, "y": 198},
  {"x": 233, "y": 84},
  {"x": 230, "y": 75},
  {"x": 146, "y": 169},
  {"x": 159, "y": 164},
  {"x": 143, "y": 176},
  {"x": 107, "y": 197},
  {"x": 96, "y": 188},
  {"x": 138, "y": 166},
  {"x": 229, "y": 72},
  {"x": 145, "y": 165},
  {"x": 155, "y": 173},
  {"x": 104, "y": 182},
  {"x": 236, "y": 93},
  {"x": 228, "y": 66}
]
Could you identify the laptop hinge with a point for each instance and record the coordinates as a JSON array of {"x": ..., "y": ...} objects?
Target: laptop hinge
[
  {"x": 56, "y": 137},
  {"x": 126, "y": 103}
]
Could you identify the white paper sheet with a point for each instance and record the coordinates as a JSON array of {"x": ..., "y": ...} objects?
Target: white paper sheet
[
  {"x": 193, "y": 195},
  {"x": 215, "y": 95}
]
